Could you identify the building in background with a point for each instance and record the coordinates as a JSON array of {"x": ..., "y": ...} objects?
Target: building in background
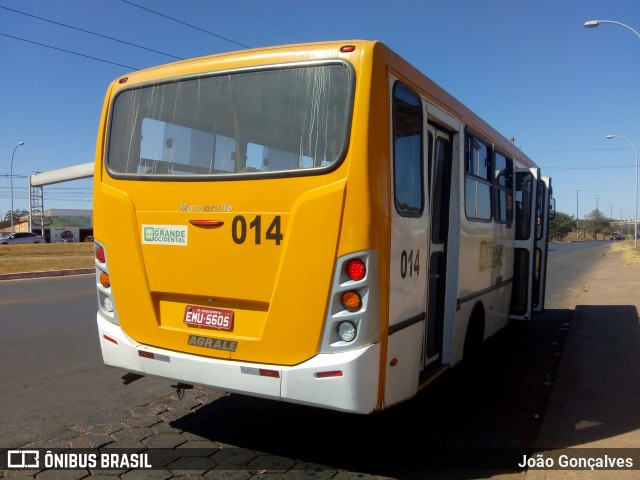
[{"x": 60, "y": 225}]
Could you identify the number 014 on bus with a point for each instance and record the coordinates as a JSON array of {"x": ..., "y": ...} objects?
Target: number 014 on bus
[{"x": 319, "y": 223}]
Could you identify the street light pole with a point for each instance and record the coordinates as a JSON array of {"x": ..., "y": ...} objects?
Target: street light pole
[
  {"x": 577, "y": 216},
  {"x": 635, "y": 220},
  {"x": 596, "y": 23},
  {"x": 621, "y": 224},
  {"x": 11, "y": 180},
  {"x": 593, "y": 24}
]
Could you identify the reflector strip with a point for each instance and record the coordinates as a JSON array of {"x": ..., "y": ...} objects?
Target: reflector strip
[
  {"x": 206, "y": 223},
  {"x": 109, "y": 339},
  {"x": 262, "y": 372},
  {"x": 336, "y": 373},
  {"x": 154, "y": 356}
]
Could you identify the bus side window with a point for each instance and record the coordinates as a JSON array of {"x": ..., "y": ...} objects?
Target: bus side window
[
  {"x": 478, "y": 182},
  {"x": 407, "y": 152},
  {"x": 503, "y": 186},
  {"x": 523, "y": 205}
]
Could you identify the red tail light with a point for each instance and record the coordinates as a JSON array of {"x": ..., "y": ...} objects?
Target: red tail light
[
  {"x": 356, "y": 269},
  {"x": 100, "y": 254}
]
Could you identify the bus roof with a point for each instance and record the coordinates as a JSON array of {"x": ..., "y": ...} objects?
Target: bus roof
[
  {"x": 449, "y": 103},
  {"x": 331, "y": 49}
]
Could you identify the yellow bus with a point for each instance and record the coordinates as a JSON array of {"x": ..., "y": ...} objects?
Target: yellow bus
[{"x": 319, "y": 223}]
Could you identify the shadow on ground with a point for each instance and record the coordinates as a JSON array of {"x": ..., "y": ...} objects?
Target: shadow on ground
[
  {"x": 479, "y": 416},
  {"x": 600, "y": 388}
]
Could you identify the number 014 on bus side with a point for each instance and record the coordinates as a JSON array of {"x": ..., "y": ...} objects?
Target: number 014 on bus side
[{"x": 206, "y": 317}]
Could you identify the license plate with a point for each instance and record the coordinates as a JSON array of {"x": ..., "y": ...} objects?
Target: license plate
[{"x": 205, "y": 317}]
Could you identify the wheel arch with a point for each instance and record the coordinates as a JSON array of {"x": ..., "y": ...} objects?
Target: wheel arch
[{"x": 474, "y": 335}]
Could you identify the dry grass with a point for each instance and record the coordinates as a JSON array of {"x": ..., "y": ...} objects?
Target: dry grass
[
  {"x": 629, "y": 254},
  {"x": 43, "y": 257}
]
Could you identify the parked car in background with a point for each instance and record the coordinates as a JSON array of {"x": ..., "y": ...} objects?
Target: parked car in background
[
  {"x": 617, "y": 237},
  {"x": 613, "y": 235},
  {"x": 21, "y": 237}
]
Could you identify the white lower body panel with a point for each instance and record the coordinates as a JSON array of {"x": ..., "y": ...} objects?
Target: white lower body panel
[{"x": 355, "y": 391}]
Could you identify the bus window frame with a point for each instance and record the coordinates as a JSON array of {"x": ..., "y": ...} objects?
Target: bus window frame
[
  {"x": 469, "y": 134},
  {"x": 400, "y": 211},
  {"x": 508, "y": 189},
  {"x": 523, "y": 228},
  {"x": 306, "y": 172},
  {"x": 541, "y": 206}
]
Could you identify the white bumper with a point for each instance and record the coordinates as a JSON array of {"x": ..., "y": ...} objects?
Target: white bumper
[{"x": 355, "y": 391}]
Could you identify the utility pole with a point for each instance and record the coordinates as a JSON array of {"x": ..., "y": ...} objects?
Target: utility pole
[{"x": 577, "y": 215}]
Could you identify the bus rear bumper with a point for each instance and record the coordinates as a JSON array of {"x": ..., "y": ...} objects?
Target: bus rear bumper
[{"x": 346, "y": 381}]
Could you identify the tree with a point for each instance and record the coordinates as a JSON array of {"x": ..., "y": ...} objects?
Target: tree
[
  {"x": 17, "y": 214},
  {"x": 561, "y": 226},
  {"x": 597, "y": 223}
]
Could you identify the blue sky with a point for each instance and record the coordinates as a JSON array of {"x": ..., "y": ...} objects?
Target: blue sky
[{"x": 528, "y": 67}]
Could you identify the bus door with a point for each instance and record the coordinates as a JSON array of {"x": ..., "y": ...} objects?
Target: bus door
[
  {"x": 439, "y": 175},
  {"x": 543, "y": 198},
  {"x": 530, "y": 249}
]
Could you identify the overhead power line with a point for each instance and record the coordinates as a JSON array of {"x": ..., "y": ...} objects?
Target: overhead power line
[
  {"x": 584, "y": 167},
  {"x": 264, "y": 19},
  {"x": 92, "y": 33},
  {"x": 69, "y": 51},
  {"x": 185, "y": 23},
  {"x": 578, "y": 150}
]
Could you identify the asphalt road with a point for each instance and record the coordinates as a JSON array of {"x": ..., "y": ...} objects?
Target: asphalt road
[
  {"x": 50, "y": 362},
  {"x": 569, "y": 267},
  {"x": 55, "y": 391}
]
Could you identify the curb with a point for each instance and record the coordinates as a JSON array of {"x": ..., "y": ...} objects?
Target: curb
[{"x": 49, "y": 273}]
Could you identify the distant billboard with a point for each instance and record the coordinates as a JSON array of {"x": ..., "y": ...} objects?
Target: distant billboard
[{"x": 65, "y": 234}]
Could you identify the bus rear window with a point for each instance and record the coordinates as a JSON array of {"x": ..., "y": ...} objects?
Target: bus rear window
[{"x": 293, "y": 119}]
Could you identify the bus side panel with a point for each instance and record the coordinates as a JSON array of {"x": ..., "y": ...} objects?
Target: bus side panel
[
  {"x": 408, "y": 252},
  {"x": 485, "y": 272},
  {"x": 403, "y": 364},
  {"x": 114, "y": 220}
]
